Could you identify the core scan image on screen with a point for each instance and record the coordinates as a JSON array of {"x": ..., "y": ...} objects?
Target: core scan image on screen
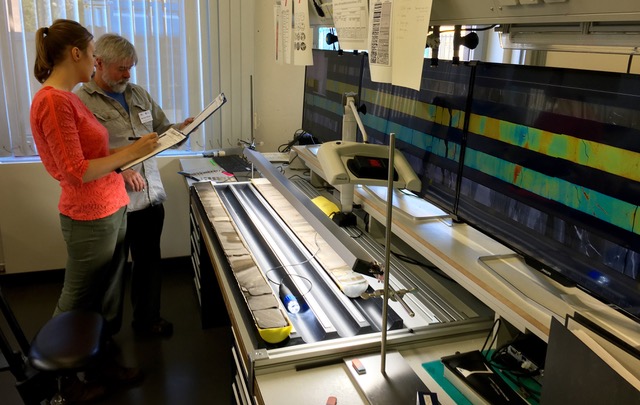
[
  {"x": 331, "y": 76},
  {"x": 428, "y": 124},
  {"x": 552, "y": 169}
]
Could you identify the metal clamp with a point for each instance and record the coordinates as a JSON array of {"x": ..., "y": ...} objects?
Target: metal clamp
[{"x": 395, "y": 295}]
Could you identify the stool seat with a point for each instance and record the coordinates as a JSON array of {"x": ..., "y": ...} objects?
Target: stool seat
[{"x": 70, "y": 341}]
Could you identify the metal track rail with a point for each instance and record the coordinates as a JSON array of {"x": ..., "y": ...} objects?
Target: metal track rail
[
  {"x": 285, "y": 261},
  {"x": 424, "y": 299}
]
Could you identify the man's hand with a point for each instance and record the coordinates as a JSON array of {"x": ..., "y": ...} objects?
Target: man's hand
[
  {"x": 185, "y": 123},
  {"x": 133, "y": 180}
]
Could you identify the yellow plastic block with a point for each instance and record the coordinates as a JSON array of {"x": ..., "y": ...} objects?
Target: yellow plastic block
[
  {"x": 328, "y": 207},
  {"x": 275, "y": 335}
]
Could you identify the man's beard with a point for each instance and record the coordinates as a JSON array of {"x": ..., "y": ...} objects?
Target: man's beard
[{"x": 116, "y": 87}]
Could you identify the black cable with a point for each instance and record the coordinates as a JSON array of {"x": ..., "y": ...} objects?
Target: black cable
[
  {"x": 493, "y": 332},
  {"x": 500, "y": 351},
  {"x": 629, "y": 63},
  {"x": 474, "y": 29},
  {"x": 284, "y": 268},
  {"x": 327, "y": 188},
  {"x": 411, "y": 260},
  {"x": 366, "y": 222},
  {"x": 286, "y": 147},
  {"x": 512, "y": 374},
  {"x": 295, "y": 157},
  {"x": 298, "y": 176},
  {"x": 535, "y": 394},
  {"x": 357, "y": 229},
  {"x": 333, "y": 31},
  {"x": 483, "y": 28},
  {"x": 318, "y": 8}
]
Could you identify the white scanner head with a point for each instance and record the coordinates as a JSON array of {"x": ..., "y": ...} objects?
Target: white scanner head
[{"x": 346, "y": 162}]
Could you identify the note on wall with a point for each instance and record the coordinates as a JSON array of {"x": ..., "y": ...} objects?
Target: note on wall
[
  {"x": 380, "y": 40},
  {"x": 302, "y": 34},
  {"x": 397, "y": 36},
  {"x": 351, "y": 19},
  {"x": 410, "y": 30}
]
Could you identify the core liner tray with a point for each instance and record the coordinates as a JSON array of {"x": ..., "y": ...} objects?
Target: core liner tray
[{"x": 263, "y": 252}]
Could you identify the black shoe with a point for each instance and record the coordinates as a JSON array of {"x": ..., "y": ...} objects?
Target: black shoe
[{"x": 160, "y": 328}]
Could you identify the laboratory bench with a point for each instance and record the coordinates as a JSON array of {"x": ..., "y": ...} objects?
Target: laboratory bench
[{"x": 269, "y": 222}]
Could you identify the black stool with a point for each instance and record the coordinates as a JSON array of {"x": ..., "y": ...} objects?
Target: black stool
[{"x": 68, "y": 343}]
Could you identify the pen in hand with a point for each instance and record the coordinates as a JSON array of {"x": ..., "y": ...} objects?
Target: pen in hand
[{"x": 135, "y": 138}]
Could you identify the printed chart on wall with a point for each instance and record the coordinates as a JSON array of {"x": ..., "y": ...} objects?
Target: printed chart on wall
[
  {"x": 351, "y": 19},
  {"x": 293, "y": 35},
  {"x": 283, "y": 31},
  {"x": 302, "y": 35}
]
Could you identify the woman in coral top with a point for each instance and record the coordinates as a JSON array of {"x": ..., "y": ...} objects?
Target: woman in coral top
[{"x": 74, "y": 148}]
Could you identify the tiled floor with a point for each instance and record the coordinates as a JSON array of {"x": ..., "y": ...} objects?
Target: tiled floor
[{"x": 192, "y": 367}]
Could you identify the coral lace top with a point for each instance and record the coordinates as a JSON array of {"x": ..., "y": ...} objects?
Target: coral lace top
[{"x": 67, "y": 136}]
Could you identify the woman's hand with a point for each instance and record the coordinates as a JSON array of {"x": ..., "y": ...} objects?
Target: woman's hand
[
  {"x": 145, "y": 145},
  {"x": 120, "y": 157}
]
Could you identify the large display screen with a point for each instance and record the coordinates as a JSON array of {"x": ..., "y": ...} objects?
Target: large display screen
[
  {"x": 552, "y": 168},
  {"x": 428, "y": 124},
  {"x": 551, "y": 157},
  {"x": 326, "y": 82}
]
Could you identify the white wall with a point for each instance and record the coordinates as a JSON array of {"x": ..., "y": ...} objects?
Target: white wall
[
  {"x": 278, "y": 89},
  {"x": 29, "y": 221}
]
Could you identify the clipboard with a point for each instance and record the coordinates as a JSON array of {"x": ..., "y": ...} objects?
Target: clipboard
[{"x": 173, "y": 136}]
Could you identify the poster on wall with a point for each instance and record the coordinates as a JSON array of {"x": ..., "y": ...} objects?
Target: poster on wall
[{"x": 397, "y": 33}]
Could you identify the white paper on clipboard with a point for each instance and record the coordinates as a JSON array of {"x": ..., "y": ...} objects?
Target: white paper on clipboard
[
  {"x": 204, "y": 114},
  {"x": 173, "y": 136}
]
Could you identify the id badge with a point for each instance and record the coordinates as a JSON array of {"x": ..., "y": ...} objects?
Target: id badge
[{"x": 145, "y": 116}]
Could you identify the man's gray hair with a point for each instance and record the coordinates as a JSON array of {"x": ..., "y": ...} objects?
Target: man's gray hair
[{"x": 114, "y": 48}]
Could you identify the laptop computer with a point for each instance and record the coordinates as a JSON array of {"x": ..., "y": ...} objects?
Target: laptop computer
[{"x": 173, "y": 136}]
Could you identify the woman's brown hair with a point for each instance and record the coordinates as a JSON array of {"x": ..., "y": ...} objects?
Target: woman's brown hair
[{"x": 52, "y": 43}]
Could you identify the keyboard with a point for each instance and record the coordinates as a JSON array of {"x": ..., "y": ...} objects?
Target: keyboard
[{"x": 233, "y": 163}]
